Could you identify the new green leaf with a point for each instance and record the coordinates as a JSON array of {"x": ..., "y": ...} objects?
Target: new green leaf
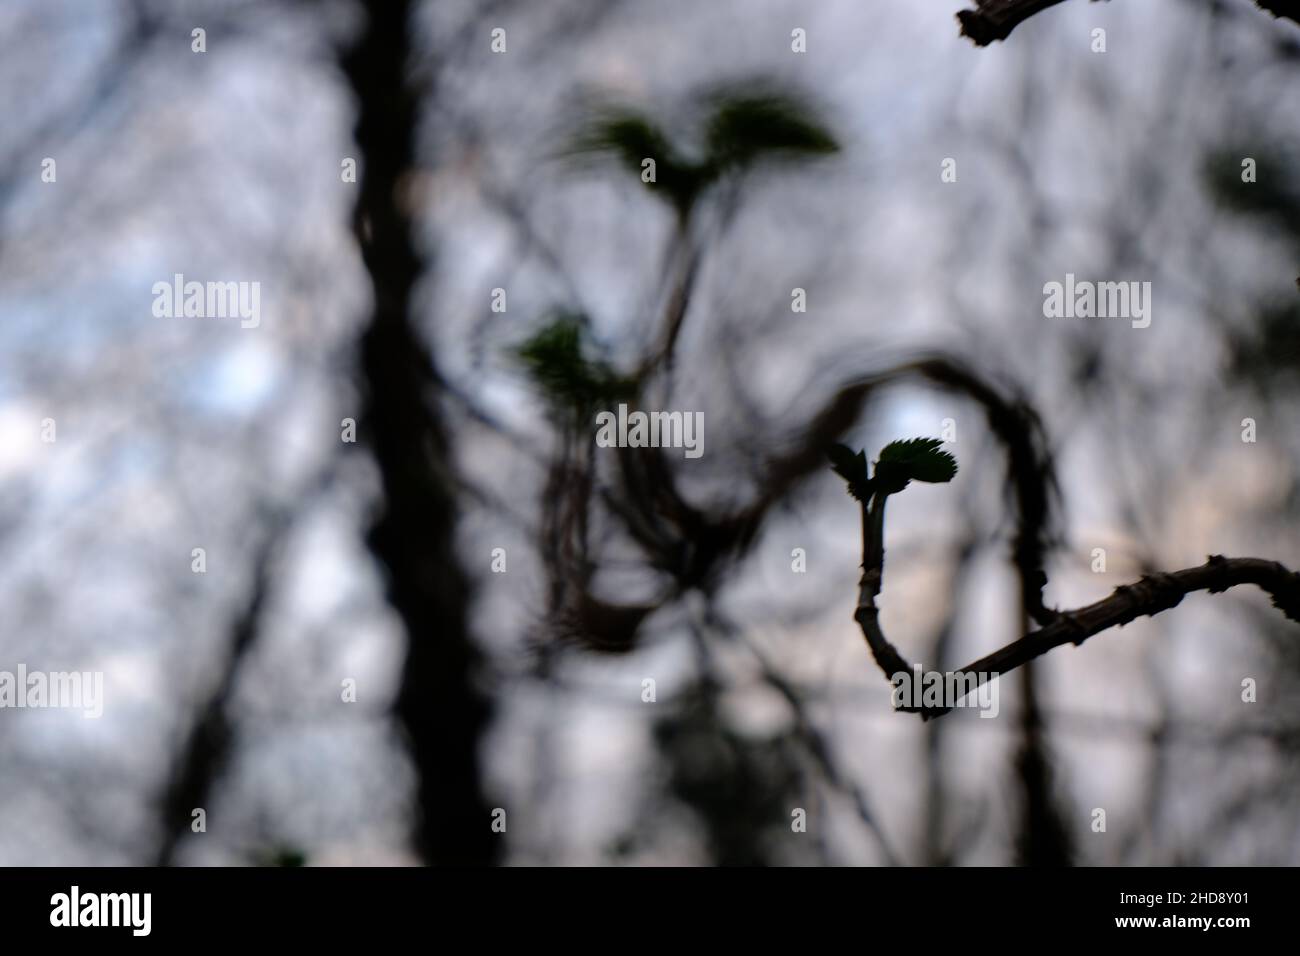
[
  {"x": 555, "y": 360},
  {"x": 747, "y": 128},
  {"x": 917, "y": 459},
  {"x": 852, "y": 468}
]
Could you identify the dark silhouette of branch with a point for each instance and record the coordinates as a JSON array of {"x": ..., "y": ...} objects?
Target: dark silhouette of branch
[
  {"x": 693, "y": 546},
  {"x": 141, "y": 29},
  {"x": 995, "y": 19},
  {"x": 207, "y": 747},
  {"x": 1290, "y": 9},
  {"x": 1147, "y": 597},
  {"x": 206, "y": 751},
  {"x": 749, "y": 125},
  {"x": 1017, "y": 427},
  {"x": 1043, "y": 837},
  {"x": 685, "y": 261},
  {"x": 438, "y": 703},
  {"x": 815, "y": 742}
]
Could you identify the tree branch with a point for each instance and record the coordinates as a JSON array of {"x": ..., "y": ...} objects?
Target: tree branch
[
  {"x": 1149, "y": 596},
  {"x": 995, "y": 19},
  {"x": 1290, "y": 9},
  {"x": 206, "y": 749},
  {"x": 1013, "y": 422}
]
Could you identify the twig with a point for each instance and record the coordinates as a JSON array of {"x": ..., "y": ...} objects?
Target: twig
[
  {"x": 205, "y": 753},
  {"x": 1149, "y": 596},
  {"x": 1290, "y": 9},
  {"x": 995, "y": 19}
]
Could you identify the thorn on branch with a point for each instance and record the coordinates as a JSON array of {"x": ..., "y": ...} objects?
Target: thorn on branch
[
  {"x": 1073, "y": 627},
  {"x": 1218, "y": 563}
]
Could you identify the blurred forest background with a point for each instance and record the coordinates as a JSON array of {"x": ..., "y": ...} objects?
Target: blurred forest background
[{"x": 373, "y": 562}]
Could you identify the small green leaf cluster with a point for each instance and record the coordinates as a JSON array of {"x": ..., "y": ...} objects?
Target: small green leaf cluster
[
  {"x": 900, "y": 462},
  {"x": 555, "y": 360},
  {"x": 742, "y": 128}
]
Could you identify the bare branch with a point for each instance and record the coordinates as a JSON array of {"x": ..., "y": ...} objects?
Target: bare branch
[
  {"x": 1290, "y": 9},
  {"x": 1147, "y": 597},
  {"x": 205, "y": 752},
  {"x": 995, "y": 19}
]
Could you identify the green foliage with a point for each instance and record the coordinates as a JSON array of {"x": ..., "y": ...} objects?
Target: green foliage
[
  {"x": 852, "y": 468},
  {"x": 628, "y": 135},
  {"x": 555, "y": 361},
  {"x": 917, "y": 459},
  {"x": 746, "y": 129},
  {"x": 632, "y": 138},
  {"x": 742, "y": 128}
]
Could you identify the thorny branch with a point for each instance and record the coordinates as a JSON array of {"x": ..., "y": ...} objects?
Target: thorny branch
[
  {"x": 995, "y": 19},
  {"x": 1149, "y": 596}
]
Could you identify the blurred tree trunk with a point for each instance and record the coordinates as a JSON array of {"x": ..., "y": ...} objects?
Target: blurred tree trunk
[
  {"x": 1043, "y": 837},
  {"x": 413, "y": 536}
]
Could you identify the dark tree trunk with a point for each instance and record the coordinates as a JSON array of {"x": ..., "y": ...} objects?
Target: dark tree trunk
[{"x": 438, "y": 704}]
